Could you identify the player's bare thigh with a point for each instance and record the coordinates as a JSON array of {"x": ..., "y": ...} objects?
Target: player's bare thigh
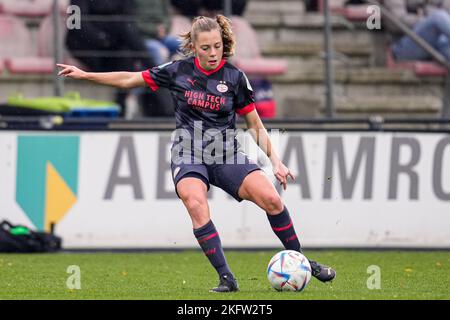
[
  {"x": 193, "y": 192},
  {"x": 257, "y": 188}
]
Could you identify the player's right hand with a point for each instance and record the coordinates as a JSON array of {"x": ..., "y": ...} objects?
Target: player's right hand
[
  {"x": 71, "y": 71},
  {"x": 282, "y": 172}
]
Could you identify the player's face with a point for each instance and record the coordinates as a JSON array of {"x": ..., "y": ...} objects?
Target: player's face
[{"x": 208, "y": 49}]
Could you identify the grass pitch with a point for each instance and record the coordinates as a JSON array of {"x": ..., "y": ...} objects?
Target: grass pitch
[{"x": 187, "y": 275}]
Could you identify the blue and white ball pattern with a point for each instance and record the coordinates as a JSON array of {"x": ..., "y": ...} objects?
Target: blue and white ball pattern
[{"x": 289, "y": 270}]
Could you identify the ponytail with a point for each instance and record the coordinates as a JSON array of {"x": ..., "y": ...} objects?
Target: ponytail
[{"x": 228, "y": 39}]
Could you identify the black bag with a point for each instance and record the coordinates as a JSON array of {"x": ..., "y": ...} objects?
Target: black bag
[{"x": 20, "y": 239}]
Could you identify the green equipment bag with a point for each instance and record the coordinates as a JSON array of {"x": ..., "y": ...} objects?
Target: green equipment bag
[
  {"x": 21, "y": 239},
  {"x": 71, "y": 105}
]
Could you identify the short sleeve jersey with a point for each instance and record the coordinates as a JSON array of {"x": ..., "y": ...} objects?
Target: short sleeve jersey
[{"x": 210, "y": 98}]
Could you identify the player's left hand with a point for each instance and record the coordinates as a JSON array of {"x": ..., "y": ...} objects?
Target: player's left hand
[{"x": 282, "y": 173}]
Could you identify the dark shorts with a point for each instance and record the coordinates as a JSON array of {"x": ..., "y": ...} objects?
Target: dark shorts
[{"x": 228, "y": 177}]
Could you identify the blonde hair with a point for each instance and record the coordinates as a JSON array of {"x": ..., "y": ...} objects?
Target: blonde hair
[{"x": 200, "y": 24}]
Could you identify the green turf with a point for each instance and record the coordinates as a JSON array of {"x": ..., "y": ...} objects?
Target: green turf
[{"x": 187, "y": 275}]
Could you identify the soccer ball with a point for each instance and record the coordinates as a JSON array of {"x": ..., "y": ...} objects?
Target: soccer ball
[{"x": 289, "y": 270}]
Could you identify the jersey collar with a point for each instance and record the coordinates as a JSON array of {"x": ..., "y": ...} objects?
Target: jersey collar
[{"x": 209, "y": 72}]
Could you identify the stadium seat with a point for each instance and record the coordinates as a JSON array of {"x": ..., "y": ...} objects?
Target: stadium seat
[
  {"x": 17, "y": 50},
  {"x": 45, "y": 36},
  {"x": 248, "y": 55},
  {"x": 46, "y": 44},
  {"x": 357, "y": 12},
  {"x": 420, "y": 68},
  {"x": 26, "y": 8},
  {"x": 30, "y": 8},
  {"x": 249, "y": 59},
  {"x": 15, "y": 39},
  {"x": 429, "y": 69},
  {"x": 25, "y": 65},
  {"x": 261, "y": 66},
  {"x": 336, "y": 6}
]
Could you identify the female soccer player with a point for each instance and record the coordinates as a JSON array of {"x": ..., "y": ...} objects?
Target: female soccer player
[{"x": 209, "y": 91}]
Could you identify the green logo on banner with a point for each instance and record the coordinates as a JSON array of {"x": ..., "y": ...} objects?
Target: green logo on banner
[{"x": 47, "y": 177}]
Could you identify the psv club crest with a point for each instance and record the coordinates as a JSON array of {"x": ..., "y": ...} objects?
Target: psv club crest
[{"x": 222, "y": 87}]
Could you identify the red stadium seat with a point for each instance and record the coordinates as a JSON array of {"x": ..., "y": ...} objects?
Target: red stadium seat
[
  {"x": 45, "y": 36},
  {"x": 420, "y": 68},
  {"x": 26, "y": 65},
  {"x": 26, "y": 8},
  {"x": 17, "y": 50},
  {"x": 46, "y": 44},
  {"x": 261, "y": 66},
  {"x": 248, "y": 55},
  {"x": 336, "y": 6},
  {"x": 30, "y": 8},
  {"x": 429, "y": 69},
  {"x": 356, "y": 12},
  {"x": 248, "y": 58},
  {"x": 15, "y": 38}
]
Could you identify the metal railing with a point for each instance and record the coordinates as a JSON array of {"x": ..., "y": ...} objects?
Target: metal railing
[
  {"x": 370, "y": 124},
  {"x": 328, "y": 48},
  {"x": 58, "y": 87},
  {"x": 435, "y": 55}
]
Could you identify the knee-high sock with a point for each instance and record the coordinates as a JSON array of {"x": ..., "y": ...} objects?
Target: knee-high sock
[
  {"x": 209, "y": 240},
  {"x": 283, "y": 227}
]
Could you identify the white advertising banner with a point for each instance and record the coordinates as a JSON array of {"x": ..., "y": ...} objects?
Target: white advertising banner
[{"x": 114, "y": 190}]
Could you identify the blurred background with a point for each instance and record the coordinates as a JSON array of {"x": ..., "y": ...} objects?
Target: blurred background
[{"x": 281, "y": 45}]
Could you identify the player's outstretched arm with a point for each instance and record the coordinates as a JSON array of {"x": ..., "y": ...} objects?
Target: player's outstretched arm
[{"x": 124, "y": 80}]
